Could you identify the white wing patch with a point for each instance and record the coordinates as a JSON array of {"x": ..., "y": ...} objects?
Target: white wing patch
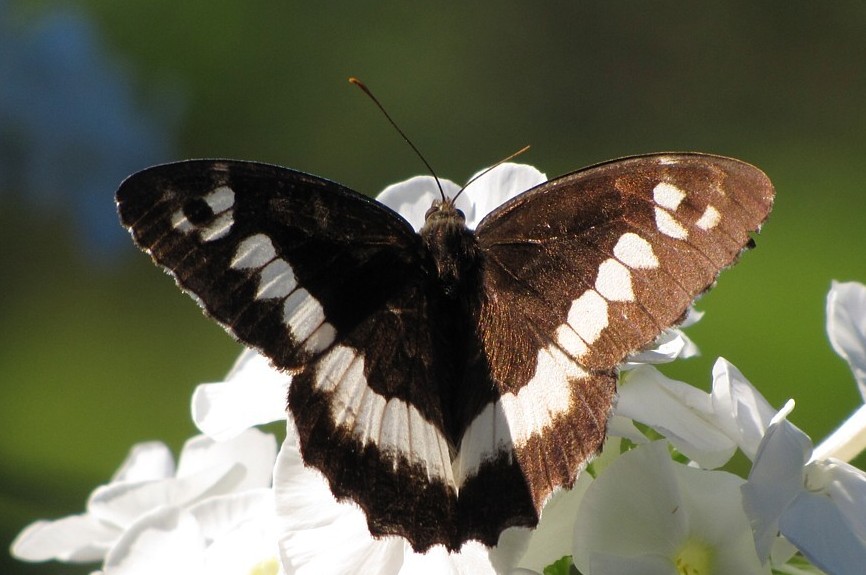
[
  {"x": 221, "y": 201},
  {"x": 276, "y": 280},
  {"x": 512, "y": 420},
  {"x": 669, "y": 226},
  {"x": 253, "y": 252},
  {"x": 588, "y": 316},
  {"x": 394, "y": 426},
  {"x": 635, "y": 252},
  {"x": 709, "y": 219},
  {"x": 668, "y": 196},
  {"x": 614, "y": 281},
  {"x": 302, "y": 313}
]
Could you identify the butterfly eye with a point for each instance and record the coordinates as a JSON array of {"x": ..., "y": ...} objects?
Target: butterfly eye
[{"x": 432, "y": 209}]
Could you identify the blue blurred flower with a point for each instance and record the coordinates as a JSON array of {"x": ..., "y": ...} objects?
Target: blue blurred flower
[{"x": 70, "y": 126}]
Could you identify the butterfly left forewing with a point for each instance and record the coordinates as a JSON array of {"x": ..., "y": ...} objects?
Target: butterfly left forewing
[
  {"x": 587, "y": 268},
  {"x": 266, "y": 250}
]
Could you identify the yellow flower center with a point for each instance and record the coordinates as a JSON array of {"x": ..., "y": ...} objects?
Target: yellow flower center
[
  {"x": 266, "y": 567},
  {"x": 694, "y": 558}
]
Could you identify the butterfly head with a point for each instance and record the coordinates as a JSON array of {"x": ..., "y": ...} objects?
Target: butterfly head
[{"x": 451, "y": 245}]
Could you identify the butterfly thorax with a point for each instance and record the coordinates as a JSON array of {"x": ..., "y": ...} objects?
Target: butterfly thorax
[{"x": 452, "y": 246}]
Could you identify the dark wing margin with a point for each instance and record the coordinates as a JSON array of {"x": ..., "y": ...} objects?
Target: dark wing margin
[
  {"x": 583, "y": 270},
  {"x": 331, "y": 286}
]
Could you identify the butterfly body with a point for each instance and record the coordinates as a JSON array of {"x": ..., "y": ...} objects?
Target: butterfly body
[{"x": 448, "y": 381}]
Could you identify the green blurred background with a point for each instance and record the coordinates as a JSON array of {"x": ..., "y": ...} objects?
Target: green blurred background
[{"x": 100, "y": 350}]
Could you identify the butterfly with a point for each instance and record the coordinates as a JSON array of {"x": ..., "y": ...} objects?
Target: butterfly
[{"x": 449, "y": 380}]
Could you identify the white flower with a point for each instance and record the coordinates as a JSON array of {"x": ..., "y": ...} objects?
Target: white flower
[
  {"x": 672, "y": 344},
  {"x": 647, "y": 514},
  {"x": 846, "y": 328},
  {"x": 412, "y": 198},
  {"x": 147, "y": 490},
  {"x": 222, "y": 535},
  {"x": 253, "y": 393},
  {"x": 819, "y": 506},
  {"x": 322, "y": 535},
  {"x": 706, "y": 428},
  {"x": 552, "y": 539}
]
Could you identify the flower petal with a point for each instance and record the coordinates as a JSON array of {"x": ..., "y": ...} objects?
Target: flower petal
[
  {"x": 680, "y": 412},
  {"x": 551, "y": 540},
  {"x": 775, "y": 479},
  {"x": 630, "y": 509},
  {"x": 311, "y": 520},
  {"x": 645, "y": 564},
  {"x": 146, "y": 461},
  {"x": 166, "y": 541},
  {"x": 713, "y": 502},
  {"x": 77, "y": 538},
  {"x": 742, "y": 412},
  {"x": 497, "y": 186},
  {"x": 827, "y": 520},
  {"x": 221, "y": 514},
  {"x": 242, "y": 530},
  {"x": 254, "y": 393},
  {"x": 848, "y": 441},
  {"x": 846, "y": 326},
  {"x": 123, "y": 504},
  {"x": 816, "y": 525},
  {"x": 412, "y": 198},
  {"x": 252, "y": 449}
]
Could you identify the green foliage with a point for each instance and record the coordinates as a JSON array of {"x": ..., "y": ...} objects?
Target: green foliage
[{"x": 562, "y": 567}]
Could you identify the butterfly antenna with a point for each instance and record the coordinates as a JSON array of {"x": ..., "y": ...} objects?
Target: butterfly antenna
[
  {"x": 367, "y": 91},
  {"x": 499, "y": 163}
]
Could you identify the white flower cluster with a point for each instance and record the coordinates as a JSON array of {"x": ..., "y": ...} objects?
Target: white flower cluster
[{"x": 234, "y": 505}]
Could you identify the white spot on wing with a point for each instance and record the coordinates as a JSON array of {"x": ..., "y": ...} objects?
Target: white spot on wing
[
  {"x": 276, "y": 280},
  {"x": 254, "y": 252},
  {"x": 614, "y": 281},
  {"x": 588, "y": 316},
  {"x": 484, "y": 439},
  {"x": 219, "y": 227},
  {"x": 394, "y": 436},
  {"x": 394, "y": 426},
  {"x": 669, "y": 226},
  {"x": 221, "y": 199},
  {"x": 668, "y": 195},
  {"x": 368, "y": 423},
  {"x": 513, "y": 419},
  {"x": 635, "y": 252},
  {"x": 570, "y": 341},
  {"x": 347, "y": 397},
  {"x": 334, "y": 365},
  {"x": 320, "y": 339},
  {"x": 302, "y": 314},
  {"x": 180, "y": 223},
  {"x": 709, "y": 219}
]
